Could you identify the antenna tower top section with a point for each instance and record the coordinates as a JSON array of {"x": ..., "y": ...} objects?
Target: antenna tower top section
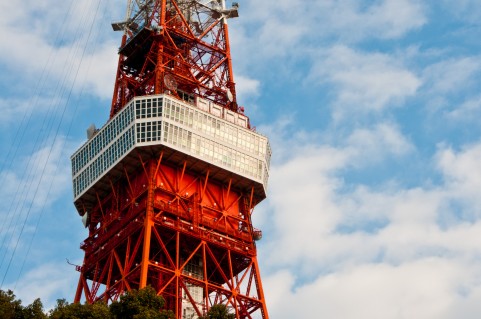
[{"x": 176, "y": 47}]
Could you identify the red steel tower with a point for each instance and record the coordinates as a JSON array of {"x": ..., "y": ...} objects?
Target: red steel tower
[{"x": 168, "y": 185}]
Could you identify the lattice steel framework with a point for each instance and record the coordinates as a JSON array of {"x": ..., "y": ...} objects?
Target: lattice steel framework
[
  {"x": 177, "y": 46},
  {"x": 166, "y": 202}
]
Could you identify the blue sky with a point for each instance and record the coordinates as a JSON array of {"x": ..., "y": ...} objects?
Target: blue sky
[{"x": 372, "y": 109}]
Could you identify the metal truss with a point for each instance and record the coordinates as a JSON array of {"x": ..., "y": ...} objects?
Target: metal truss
[
  {"x": 177, "y": 47},
  {"x": 188, "y": 235}
]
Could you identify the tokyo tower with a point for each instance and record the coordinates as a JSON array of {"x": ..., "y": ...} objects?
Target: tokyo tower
[{"x": 168, "y": 185}]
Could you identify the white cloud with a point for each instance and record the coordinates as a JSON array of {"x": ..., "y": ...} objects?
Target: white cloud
[
  {"x": 304, "y": 199},
  {"x": 98, "y": 69},
  {"x": 442, "y": 81},
  {"x": 285, "y": 21},
  {"x": 465, "y": 10},
  {"x": 49, "y": 282},
  {"x": 34, "y": 183},
  {"x": 445, "y": 77},
  {"x": 364, "y": 82},
  {"x": 246, "y": 87},
  {"x": 382, "y": 251},
  {"x": 462, "y": 171},
  {"x": 382, "y": 140},
  {"x": 300, "y": 221},
  {"x": 422, "y": 289},
  {"x": 18, "y": 110},
  {"x": 33, "y": 40},
  {"x": 383, "y": 19},
  {"x": 469, "y": 110},
  {"x": 290, "y": 34},
  {"x": 30, "y": 205}
]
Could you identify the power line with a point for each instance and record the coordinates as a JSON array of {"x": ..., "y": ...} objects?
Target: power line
[{"x": 61, "y": 90}]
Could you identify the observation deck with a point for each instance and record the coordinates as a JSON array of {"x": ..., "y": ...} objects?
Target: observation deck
[{"x": 210, "y": 137}]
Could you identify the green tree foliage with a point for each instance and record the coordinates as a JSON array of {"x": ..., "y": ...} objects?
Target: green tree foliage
[
  {"x": 34, "y": 310},
  {"x": 65, "y": 310},
  {"x": 11, "y": 308},
  {"x": 218, "y": 311},
  {"x": 134, "y": 304},
  {"x": 140, "y": 304}
]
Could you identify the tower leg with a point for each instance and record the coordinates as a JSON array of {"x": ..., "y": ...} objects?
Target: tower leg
[{"x": 78, "y": 293}]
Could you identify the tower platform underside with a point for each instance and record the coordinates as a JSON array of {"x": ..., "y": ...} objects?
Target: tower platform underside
[{"x": 208, "y": 137}]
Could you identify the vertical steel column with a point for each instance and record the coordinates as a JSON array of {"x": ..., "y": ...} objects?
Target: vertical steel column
[{"x": 148, "y": 223}]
